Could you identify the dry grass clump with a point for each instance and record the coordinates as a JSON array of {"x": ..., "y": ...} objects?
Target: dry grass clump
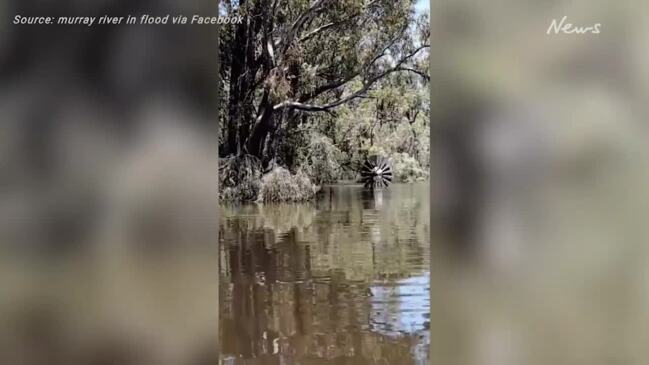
[{"x": 280, "y": 185}]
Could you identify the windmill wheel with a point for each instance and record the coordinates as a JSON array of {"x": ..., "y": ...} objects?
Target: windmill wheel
[{"x": 376, "y": 173}]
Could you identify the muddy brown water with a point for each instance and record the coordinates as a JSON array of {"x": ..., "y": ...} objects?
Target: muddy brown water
[{"x": 341, "y": 280}]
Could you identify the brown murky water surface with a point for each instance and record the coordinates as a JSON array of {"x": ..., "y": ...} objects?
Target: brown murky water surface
[{"x": 342, "y": 280}]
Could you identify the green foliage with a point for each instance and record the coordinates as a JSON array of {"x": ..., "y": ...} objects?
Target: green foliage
[
  {"x": 407, "y": 169},
  {"x": 321, "y": 159},
  {"x": 280, "y": 185},
  {"x": 393, "y": 121}
]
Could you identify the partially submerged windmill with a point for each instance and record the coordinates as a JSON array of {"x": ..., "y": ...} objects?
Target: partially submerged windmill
[{"x": 376, "y": 173}]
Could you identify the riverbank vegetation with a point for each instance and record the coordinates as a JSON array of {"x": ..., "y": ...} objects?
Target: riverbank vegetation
[{"x": 311, "y": 88}]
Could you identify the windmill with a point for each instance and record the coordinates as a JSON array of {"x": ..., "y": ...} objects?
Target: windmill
[{"x": 376, "y": 173}]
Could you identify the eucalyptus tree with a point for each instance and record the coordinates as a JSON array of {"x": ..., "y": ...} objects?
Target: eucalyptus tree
[{"x": 291, "y": 58}]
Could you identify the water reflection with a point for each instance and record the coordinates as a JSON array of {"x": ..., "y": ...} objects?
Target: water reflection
[{"x": 340, "y": 280}]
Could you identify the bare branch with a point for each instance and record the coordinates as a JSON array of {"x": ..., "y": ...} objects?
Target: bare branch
[
  {"x": 335, "y": 84},
  {"x": 382, "y": 53},
  {"x": 359, "y": 93},
  {"x": 412, "y": 54},
  {"x": 420, "y": 73},
  {"x": 299, "y": 22},
  {"x": 354, "y": 95},
  {"x": 326, "y": 87},
  {"x": 319, "y": 108},
  {"x": 324, "y": 27}
]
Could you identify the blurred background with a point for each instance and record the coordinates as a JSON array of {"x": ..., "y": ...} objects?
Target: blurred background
[
  {"x": 108, "y": 205},
  {"x": 108, "y": 251},
  {"x": 539, "y": 177}
]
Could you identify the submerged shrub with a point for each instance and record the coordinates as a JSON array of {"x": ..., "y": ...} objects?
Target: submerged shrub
[
  {"x": 280, "y": 185},
  {"x": 239, "y": 178}
]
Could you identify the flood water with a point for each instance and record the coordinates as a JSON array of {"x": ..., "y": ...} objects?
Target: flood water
[{"x": 341, "y": 280}]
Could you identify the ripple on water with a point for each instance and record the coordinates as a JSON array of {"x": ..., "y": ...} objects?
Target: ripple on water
[{"x": 345, "y": 277}]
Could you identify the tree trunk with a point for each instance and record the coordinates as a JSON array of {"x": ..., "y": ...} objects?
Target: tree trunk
[{"x": 261, "y": 129}]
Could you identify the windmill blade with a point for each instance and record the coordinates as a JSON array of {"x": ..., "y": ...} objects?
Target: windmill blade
[{"x": 376, "y": 172}]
